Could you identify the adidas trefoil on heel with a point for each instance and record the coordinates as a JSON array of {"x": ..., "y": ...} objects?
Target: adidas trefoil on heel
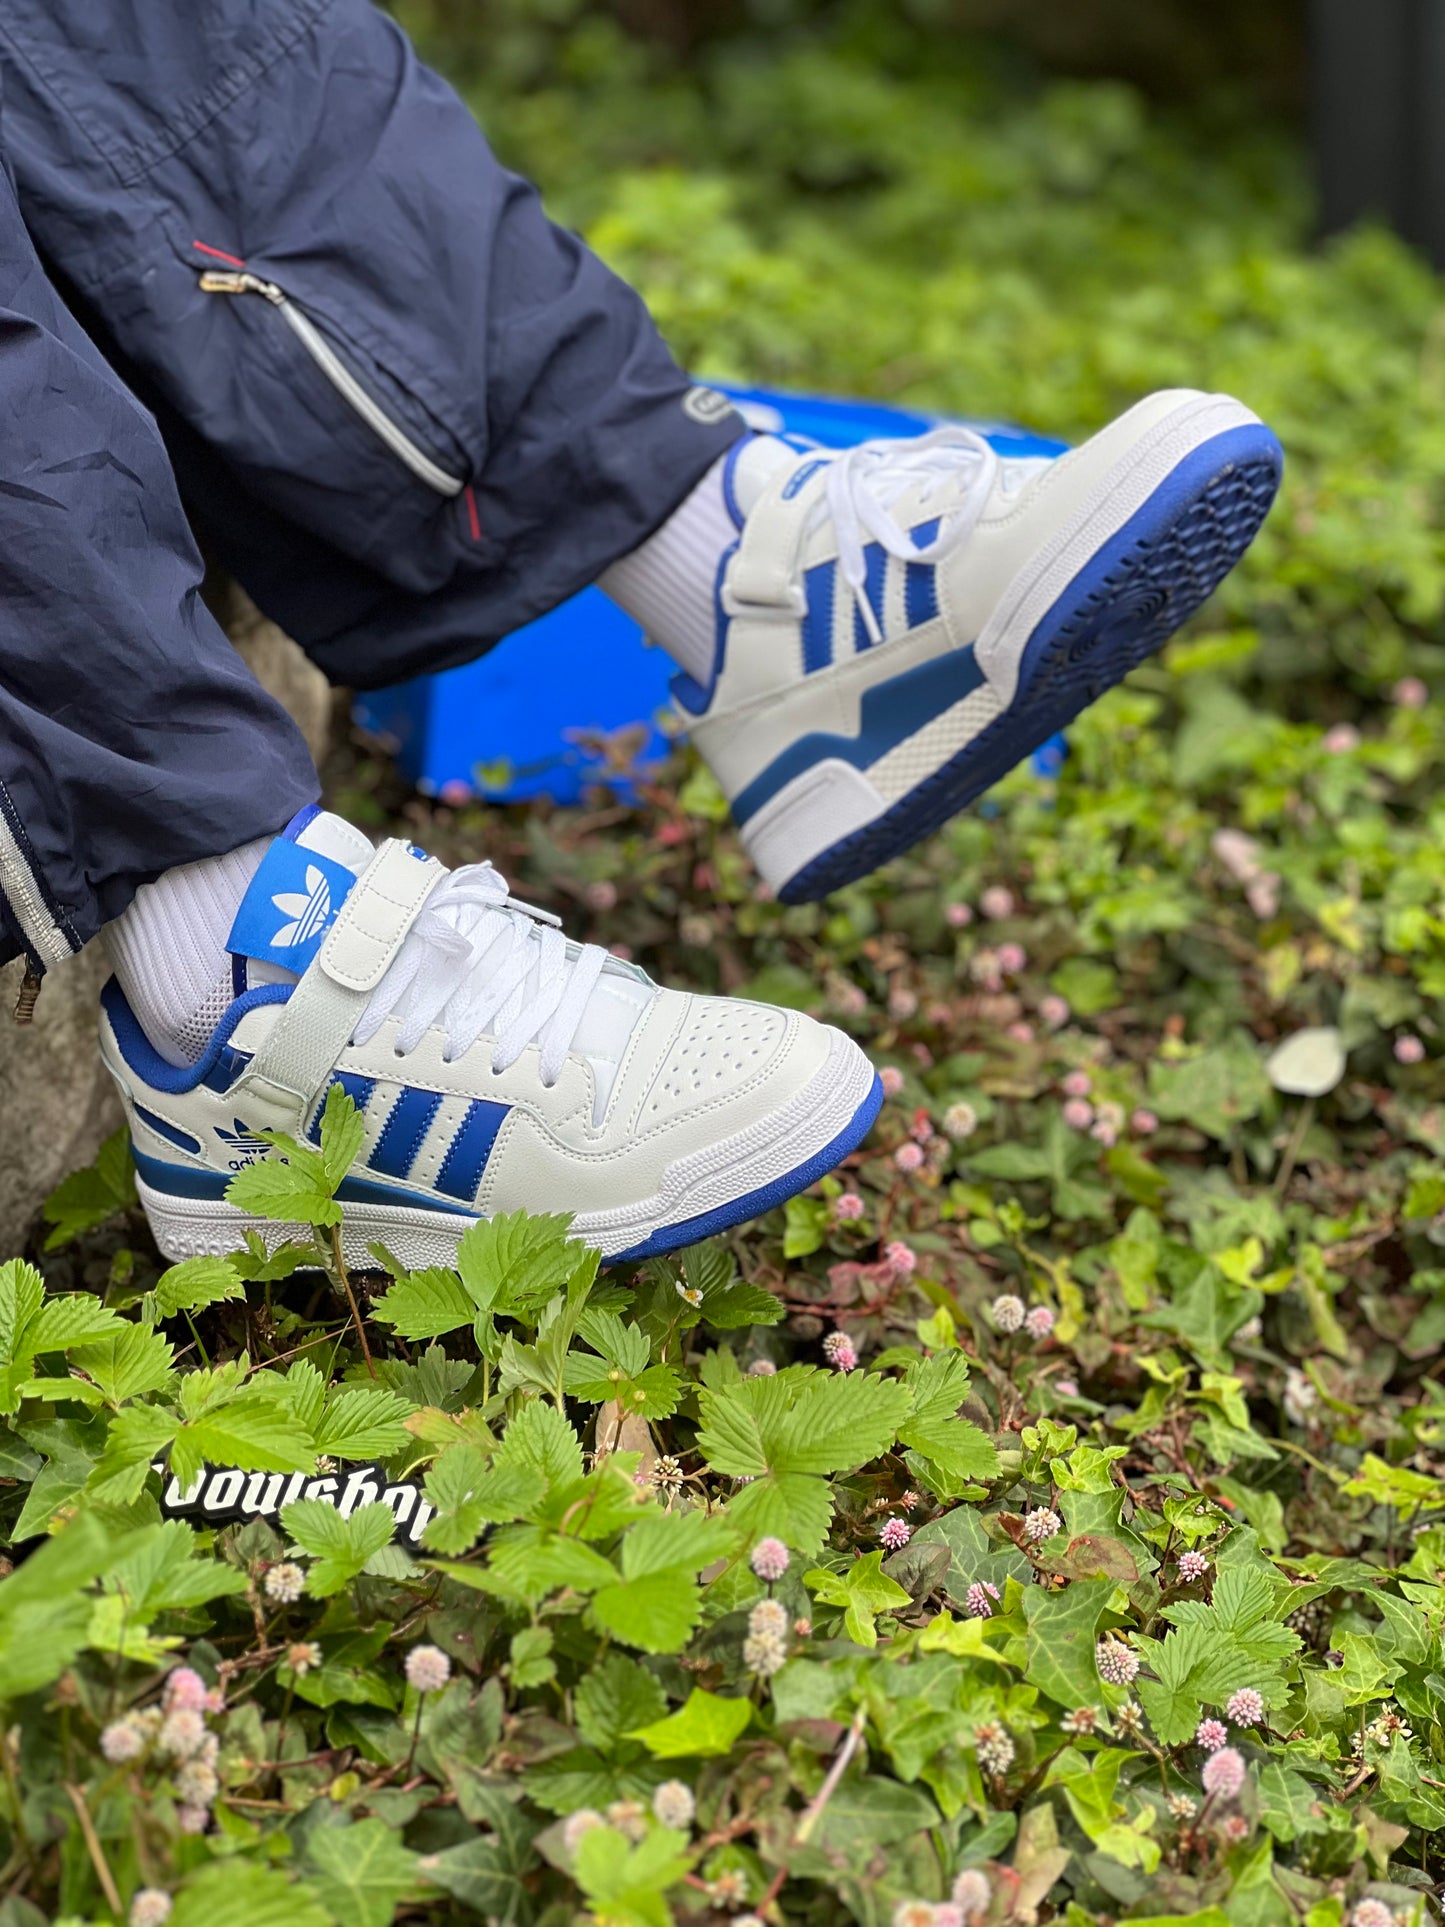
[
  {"x": 496, "y": 1066},
  {"x": 901, "y": 623}
]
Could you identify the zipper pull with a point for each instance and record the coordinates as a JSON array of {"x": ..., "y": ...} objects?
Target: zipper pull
[
  {"x": 25, "y": 1002},
  {"x": 218, "y": 281}
]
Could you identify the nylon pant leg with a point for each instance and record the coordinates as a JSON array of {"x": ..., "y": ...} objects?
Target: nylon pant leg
[
  {"x": 164, "y": 152},
  {"x": 132, "y": 736}
]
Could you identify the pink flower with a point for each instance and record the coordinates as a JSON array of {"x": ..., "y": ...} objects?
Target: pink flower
[
  {"x": 1409, "y": 1050},
  {"x": 1192, "y": 1567},
  {"x": 1262, "y": 895},
  {"x": 901, "y": 1257},
  {"x": 977, "y": 1601},
  {"x": 1040, "y": 1524},
  {"x": 958, "y": 916},
  {"x": 427, "y": 1669},
  {"x": 895, "y": 1534},
  {"x": 848, "y": 1206},
  {"x": 454, "y": 793},
  {"x": 1054, "y": 1011},
  {"x": 1012, "y": 958},
  {"x": 1106, "y": 1133},
  {"x": 908, "y": 1157},
  {"x": 972, "y": 1893},
  {"x": 839, "y": 1352},
  {"x": 1117, "y": 1663},
  {"x": 1021, "y": 1032},
  {"x": 847, "y": 998},
  {"x": 1007, "y": 1312},
  {"x": 1078, "y": 1113},
  {"x": 1246, "y": 1707},
  {"x": 1372, "y": 1913},
  {"x": 1211, "y": 1734},
  {"x": 1077, "y": 1084},
  {"x": 921, "y": 1129},
  {"x": 621, "y": 951},
  {"x": 1144, "y": 1123},
  {"x": 600, "y": 896},
  {"x": 997, "y": 902},
  {"x": 760, "y": 1368},
  {"x": 1040, "y": 1322},
  {"x": 902, "y": 1004},
  {"x": 193, "y": 1819},
  {"x": 1067, "y": 1387},
  {"x": 1340, "y": 740},
  {"x": 891, "y": 1078},
  {"x": 1224, "y": 1773},
  {"x": 769, "y": 1560},
  {"x": 983, "y": 969},
  {"x": 185, "y": 1691},
  {"x": 1410, "y": 693}
]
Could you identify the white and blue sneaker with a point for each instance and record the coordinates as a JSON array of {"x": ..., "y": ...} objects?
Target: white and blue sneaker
[
  {"x": 496, "y": 1065},
  {"x": 901, "y": 623}
]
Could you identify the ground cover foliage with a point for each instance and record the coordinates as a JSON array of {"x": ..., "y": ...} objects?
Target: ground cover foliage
[{"x": 1045, "y": 1517}]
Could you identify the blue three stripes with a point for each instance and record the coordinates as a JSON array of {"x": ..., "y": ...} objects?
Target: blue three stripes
[{"x": 408, "y": 1122}]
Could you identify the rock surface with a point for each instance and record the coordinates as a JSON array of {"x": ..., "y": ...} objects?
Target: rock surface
[{"x": 59, "y": 1103}]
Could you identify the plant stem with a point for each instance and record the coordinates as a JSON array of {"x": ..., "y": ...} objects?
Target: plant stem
[
  {"x": 836, "y": 1771},
  {"x": 93, "y": 1847},
  {"x": 343, "y": 1276},
  {"x": 7, "y": 1757},
  {"x": 1295, "y": 1145}
]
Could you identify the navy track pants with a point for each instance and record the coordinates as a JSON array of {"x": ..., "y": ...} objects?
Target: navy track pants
[{"x": 257, "y": 260}]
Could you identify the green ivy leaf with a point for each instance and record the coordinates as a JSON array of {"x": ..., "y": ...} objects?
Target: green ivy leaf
[
  {"x": 1060, "y": 1640},
  {"x": 360, "y": 1872},
  {"x": 864, "y": 1590},
  {"x": 704, "y": 1727}
]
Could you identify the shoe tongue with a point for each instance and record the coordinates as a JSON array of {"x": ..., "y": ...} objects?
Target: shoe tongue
[
  {"x": 301, "y": 884},
  {"x": 333, "y": 837},
  {"x": 754, "y": 465}
]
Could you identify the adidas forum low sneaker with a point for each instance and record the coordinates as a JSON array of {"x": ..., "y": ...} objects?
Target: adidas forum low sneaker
[
  {"x": 496, "y": 1065},
  {"x": 901, "y": 623}
]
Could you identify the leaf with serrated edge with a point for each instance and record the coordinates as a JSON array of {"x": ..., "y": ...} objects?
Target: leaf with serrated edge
[{"x": 196, "y": 1283}]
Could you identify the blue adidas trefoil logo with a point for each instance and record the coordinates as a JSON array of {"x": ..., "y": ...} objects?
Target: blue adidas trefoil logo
[
  {"x": 244, "y": 1146},
  {"x": 306, "y": 915}
]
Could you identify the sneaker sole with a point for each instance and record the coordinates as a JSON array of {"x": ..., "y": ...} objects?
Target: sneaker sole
[
  {"x": 1139, "y": 586},
  {"x": 193, "y": 1227}
]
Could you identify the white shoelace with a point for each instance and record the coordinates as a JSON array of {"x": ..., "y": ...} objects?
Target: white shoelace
[
  {"x": 478, "y": 960},
  {"x": 864, "y": 482}
]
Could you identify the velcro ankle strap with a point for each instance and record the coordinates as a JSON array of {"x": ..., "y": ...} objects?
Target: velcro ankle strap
[
  {"x": 371, "y": 925},
  {"x": 284, "y": 1078},
  {"x": 762, "y": 578}
]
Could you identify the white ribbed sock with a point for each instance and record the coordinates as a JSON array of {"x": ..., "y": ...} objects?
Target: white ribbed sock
[
  {"x": 169, "y": 949},
  {"x": 669, "y": 584}
]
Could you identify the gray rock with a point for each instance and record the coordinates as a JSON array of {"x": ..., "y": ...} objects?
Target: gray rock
[
  {"x": 59, "y": 1100},
  {"x": 60, "y": 1104}
]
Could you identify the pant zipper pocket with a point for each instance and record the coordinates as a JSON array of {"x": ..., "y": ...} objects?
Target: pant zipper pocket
[{"x": 361, "y": 400}]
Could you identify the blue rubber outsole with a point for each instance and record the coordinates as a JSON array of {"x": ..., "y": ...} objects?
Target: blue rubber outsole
[
  {"x": 691, "y": 1231},
  {"x": 1141, "y": 586}
]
